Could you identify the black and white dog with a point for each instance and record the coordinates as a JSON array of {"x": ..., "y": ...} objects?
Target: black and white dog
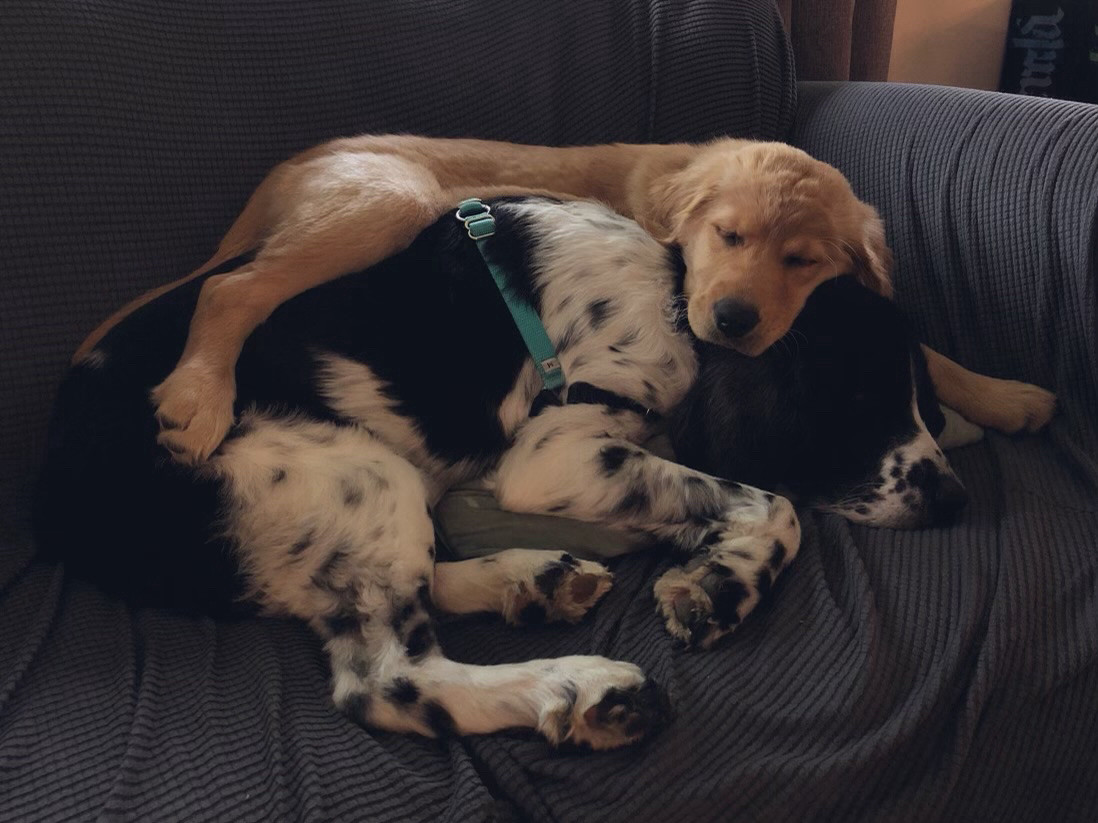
[{"x": 360, "y": 402}]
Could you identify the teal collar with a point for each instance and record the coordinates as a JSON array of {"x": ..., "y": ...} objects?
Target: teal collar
[{"x": 480, "y": 225}]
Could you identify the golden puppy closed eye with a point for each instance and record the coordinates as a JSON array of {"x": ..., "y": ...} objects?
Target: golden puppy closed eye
[{"x": 760, "y": 226}]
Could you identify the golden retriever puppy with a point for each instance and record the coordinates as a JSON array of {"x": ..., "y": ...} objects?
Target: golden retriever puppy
[{"x": 760, "y": 225}]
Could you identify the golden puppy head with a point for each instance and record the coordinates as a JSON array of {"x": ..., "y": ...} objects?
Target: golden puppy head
[{"x": 760, "y": 226}]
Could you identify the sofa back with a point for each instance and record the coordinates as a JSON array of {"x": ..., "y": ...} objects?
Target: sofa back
[{"x": 132, "y": 131}]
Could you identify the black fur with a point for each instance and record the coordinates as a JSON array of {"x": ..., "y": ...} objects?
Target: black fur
[
  {"x": 423, "y": 593},
  {"x": 421, "y": 639},
  {"x": 816, "y": 412},
  {"x": 549, "y": 578},
  {"x": 344, "y": 624},
  {"x": 402, "y": 616},
  {"x": 324, "y": 577},
  {"x": 439, "y": 719},
  {"x": 599, "y": 310},
  {"x": 612, "y": 458},
  {"x": 777, "y": 556},
  {"x": 513, "y": 250},
  {"x": 302, "y": 543},
  {"x": 402, "y": 690},
  {"x": 360, "y": 666},
  {"x": 357, "y": 707},
  {"x": 712, "y": 538},
  {"x": 636, "y": 501},
  {"x": 353, "y": 493}
]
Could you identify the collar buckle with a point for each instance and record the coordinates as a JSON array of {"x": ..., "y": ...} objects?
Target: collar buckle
[{"x": 477, "y": 217}]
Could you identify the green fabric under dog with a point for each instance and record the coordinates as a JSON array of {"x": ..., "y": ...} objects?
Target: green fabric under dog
[{"x": 470, "y": 523}]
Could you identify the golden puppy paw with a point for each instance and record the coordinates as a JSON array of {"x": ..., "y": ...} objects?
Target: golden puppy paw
[
  {"x": 1015, "y": 407},
  {"x": 194, "y": 408}
]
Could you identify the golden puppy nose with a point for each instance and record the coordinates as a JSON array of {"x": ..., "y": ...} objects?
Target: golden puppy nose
[{"x": 734, "y": 318}]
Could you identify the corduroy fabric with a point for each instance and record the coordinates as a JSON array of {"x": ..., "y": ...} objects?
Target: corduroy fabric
[
  {"x": 991, "y": 204},
  {"x": 938, "y": 675}
]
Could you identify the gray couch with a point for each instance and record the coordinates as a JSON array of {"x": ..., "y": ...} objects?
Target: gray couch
[{"x": 937, "y": 675}]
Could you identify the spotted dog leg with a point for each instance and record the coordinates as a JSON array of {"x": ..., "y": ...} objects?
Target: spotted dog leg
[
  {"x": 716, "y": 584},
  {"x": 333, "y": 528},
  {"x": 388, "y": 673},
  {"x": 526, "y": 586},
  {"x": 731, "y": 540}
]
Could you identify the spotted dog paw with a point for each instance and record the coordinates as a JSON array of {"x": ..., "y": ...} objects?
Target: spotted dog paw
[
  {"x": 708, "y": 598},
  {"x": 194, "y": 408},
  {"x": 603, "y": 704},
  {"x": 549, "y": 586}
]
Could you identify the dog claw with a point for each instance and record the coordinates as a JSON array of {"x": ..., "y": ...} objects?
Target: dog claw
[{"x": 194, "y": 409}]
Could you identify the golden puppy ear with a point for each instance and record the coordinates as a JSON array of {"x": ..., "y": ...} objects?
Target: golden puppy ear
[
  {"x": 871, "y": 254},
  {"x": 672, "y": 198}
]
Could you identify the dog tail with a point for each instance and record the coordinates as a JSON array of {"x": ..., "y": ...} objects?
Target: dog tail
[{"x": 244, "y": 235}]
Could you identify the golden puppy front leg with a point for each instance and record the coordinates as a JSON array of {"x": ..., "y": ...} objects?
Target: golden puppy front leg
[
  {"x": 1006, "y": 405},
  {"x": 340, "y": 220},
  {"x": 194, "y": 404}
]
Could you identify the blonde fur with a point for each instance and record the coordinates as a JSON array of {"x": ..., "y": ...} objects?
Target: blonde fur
[{"x": 349, "y": 203}]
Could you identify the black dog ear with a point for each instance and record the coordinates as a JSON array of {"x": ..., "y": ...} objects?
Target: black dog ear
[
  {"x": 739, "y": 419},
  {"x": 925, "y": 395},
  {"x": 689, "y": 431}
]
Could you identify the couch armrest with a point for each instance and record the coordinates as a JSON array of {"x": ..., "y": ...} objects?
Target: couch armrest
[{"x": 991, "y": 204}]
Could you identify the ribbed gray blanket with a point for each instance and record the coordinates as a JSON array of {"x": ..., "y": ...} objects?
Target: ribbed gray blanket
[{"x": 939, "y": 675}]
